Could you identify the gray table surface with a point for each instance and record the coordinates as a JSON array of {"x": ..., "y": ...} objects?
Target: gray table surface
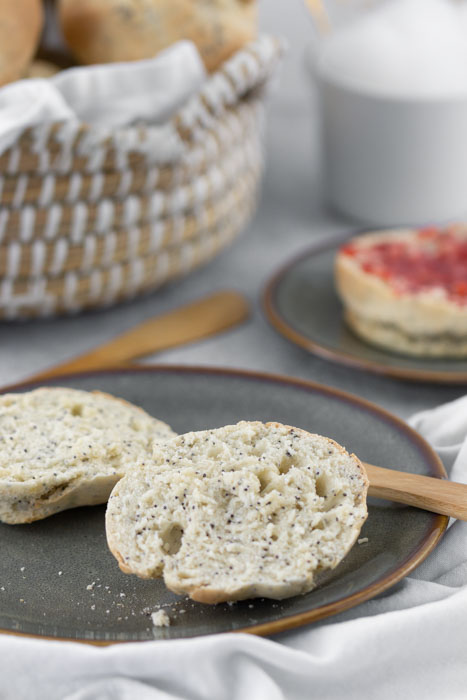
[{"x": 292, "y": 214}]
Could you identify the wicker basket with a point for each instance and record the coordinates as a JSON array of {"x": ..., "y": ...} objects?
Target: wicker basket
[{"x": 90, "y": 217}]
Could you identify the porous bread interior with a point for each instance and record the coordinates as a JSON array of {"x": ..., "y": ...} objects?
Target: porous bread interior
[
  {"x": 64, "y": 447},
  {"x": 242, "y": 511}
]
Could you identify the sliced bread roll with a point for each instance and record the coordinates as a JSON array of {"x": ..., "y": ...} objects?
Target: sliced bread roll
[
  {"x": 238, "y": 512},
  {"x": 62, "y": 448},
  {"x": 405, "y": 290}
]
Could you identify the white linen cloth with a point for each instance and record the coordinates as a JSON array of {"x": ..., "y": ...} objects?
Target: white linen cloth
[
  {"x": 410, "y": 642},
  {"x": 108, "y": 96}
]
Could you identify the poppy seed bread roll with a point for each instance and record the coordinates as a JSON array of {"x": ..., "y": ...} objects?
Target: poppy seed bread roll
[
  {"x": 20, "y": 27},
  {"x": 238, "y": 512},
  {"x": 105, "y": 31},
  {"x": 62, "y": 448},
  {"x": 41, "y": 69}
]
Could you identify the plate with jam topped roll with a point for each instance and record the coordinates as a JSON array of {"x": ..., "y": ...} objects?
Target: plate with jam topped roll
[{"x": 390, "y": 301}]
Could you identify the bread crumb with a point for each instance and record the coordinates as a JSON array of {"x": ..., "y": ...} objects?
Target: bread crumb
[
  {"x": 160, "y": 619},
  {"x": 362, "y": 540},
  {"x": 90, "y": 586}
]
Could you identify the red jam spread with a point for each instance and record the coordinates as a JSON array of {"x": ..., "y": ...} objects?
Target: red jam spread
[{"x": 432, "y": 259}]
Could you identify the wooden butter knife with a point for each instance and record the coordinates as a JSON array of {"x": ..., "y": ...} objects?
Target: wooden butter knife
[
  {"x": 426, "y": 492},
  {"x": 200, "y": 319}
]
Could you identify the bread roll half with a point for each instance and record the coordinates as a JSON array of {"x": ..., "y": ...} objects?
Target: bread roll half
[
  {"x": 238, "y": 512},
  {"x": 61, "y": 448}
]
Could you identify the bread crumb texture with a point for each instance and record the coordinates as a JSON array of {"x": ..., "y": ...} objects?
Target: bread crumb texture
[
  {"x": 160, "y": 619},
  {"x": 243, "y": 511},
  {"x": 61, "y": 448}
]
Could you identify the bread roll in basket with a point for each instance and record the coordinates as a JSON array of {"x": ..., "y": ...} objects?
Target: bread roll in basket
[{"x": 91, "y": 216}]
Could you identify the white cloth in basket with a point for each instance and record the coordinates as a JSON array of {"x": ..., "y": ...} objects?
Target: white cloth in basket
[
  {"x": 111, "y": 95},
  {"x": 410, "y": 642}
]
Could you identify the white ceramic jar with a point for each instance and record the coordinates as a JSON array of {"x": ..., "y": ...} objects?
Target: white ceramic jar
[
  {"x": 395, "y": 140},
  {"x": 394, "y": 161}
]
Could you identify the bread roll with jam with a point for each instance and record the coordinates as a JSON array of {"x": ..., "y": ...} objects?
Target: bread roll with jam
[
  {"x": 105, "y": 31},
  {"x": 405, "y": 290}
]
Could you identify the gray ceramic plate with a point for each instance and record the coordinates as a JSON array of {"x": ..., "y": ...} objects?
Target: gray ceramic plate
[
  {"x": 301, "y": 303},
  {"x": 57, "y": 578}
]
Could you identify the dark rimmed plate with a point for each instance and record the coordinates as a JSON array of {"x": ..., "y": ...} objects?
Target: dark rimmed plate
[
  {"x": 301, "y": 303},
  {"x": 58, "y": 579}
]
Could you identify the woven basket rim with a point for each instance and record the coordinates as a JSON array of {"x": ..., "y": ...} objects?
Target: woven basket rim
[
  {"x": 40, "y": 190},
  {"x": 257, "y": 60},
  {"x": 132, "y": 210}
]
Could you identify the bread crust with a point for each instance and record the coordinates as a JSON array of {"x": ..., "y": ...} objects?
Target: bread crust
[
  {"x": 20, "y": 28},
  {"x": 390, "y": 337},
  {"x": 132, "y": 559},
  {"x": 105, "y": 31},
  {"x": 37, "y": 493},
  {"x": 423, "y": 323},
  {"x": 41, "y": 69}
]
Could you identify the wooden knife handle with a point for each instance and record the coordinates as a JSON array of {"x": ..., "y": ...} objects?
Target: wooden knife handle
[
  {"x": 200, "y": 319},
  {"x": 437, "y": 495}
]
